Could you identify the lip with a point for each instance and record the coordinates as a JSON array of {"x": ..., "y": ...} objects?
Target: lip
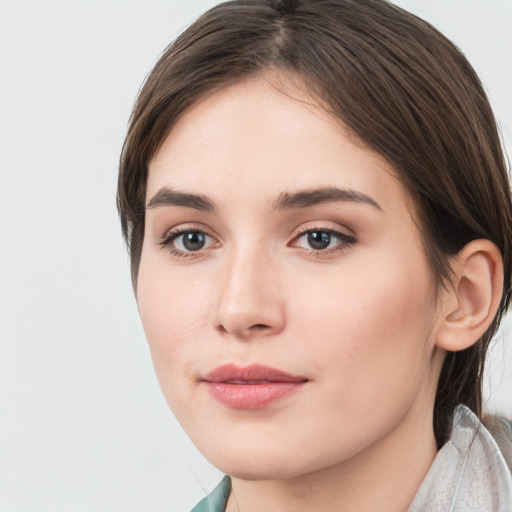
[{"x": 251, "y": 387}]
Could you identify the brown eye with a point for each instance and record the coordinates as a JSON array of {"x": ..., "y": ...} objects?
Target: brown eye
[
  {"x": 323, "y": 240},
  {"x": 193, "y": 240},
  {"x": 187, "y": 241},
  {"x": 319, "y": 240}
]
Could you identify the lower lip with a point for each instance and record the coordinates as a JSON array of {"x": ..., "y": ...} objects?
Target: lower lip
[{"x": 252, "y": 396}]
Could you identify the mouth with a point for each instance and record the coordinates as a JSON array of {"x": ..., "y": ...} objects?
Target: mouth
[{"x": 251, "y": 387}]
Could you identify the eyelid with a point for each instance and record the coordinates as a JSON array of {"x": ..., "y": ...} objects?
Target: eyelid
[
  {"x": 328, "y": 227},
  {"x": 184, "y": 227}
]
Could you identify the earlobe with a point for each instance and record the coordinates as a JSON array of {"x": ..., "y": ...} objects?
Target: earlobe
[{"x": 472, "y": 299}]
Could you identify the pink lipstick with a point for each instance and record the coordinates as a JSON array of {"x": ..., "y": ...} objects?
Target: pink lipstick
[{"x": 251, "y": 387}]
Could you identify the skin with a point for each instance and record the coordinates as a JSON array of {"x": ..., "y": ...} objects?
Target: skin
[{"x": 359, "y": 319}]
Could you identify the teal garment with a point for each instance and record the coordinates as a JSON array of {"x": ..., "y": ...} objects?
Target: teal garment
[{"x": 217, "y": 500}]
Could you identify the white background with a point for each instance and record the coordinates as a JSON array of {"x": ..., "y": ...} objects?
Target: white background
[{"x": 83, "y": 426}]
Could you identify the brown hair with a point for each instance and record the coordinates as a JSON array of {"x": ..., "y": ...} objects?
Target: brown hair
[{"x": 398, "y": 84}]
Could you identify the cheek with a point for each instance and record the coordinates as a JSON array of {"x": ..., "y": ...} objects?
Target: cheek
[
  {"x": 369, "y": 328},
  {"x": 174, "y": 315}
]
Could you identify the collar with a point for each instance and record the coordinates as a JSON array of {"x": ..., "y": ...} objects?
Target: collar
[
  {"x": 468, "y": 473},
  {"x": 217, "y": 500}
]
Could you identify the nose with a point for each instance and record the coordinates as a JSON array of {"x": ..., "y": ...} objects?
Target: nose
[{"x": 250, "y": 296}]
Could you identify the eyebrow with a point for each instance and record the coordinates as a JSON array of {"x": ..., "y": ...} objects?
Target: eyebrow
[
  {"x": 307, "y": 198},
  {"x": 168, "y": 197},
  {"x": 286, "y": 200}
]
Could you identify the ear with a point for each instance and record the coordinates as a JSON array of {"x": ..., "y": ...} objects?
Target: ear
[{"x": 470, "y": 302}]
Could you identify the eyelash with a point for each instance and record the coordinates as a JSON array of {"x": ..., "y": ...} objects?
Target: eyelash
[{"x": 344, "y": 241}]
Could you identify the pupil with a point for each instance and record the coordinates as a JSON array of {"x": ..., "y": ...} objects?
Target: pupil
[
  {"x": 193, "y": 241},
  {"x": 319, "y": 239}
]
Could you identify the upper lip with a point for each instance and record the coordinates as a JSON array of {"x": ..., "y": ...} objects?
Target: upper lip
[{"x": 252, "y": 374}]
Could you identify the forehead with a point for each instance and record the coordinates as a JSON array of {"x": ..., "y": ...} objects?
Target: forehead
[{"x": 261, "y": 136}]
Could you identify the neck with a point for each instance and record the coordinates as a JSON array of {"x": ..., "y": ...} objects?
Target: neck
[{"x": 384, "y": 477}]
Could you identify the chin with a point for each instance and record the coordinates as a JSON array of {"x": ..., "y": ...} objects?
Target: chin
[
  {"x": 270, "y": 470},
  {"x": 266, "y": 460}
]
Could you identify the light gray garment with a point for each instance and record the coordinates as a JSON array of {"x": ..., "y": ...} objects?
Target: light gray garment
[{"x": 469, "y": 473}]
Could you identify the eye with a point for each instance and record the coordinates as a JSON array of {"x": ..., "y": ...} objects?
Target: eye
[
  {"x": 186, "y": 242},
  {"x": 191, "y": 241},
  {"x": 323, "y": 240}
]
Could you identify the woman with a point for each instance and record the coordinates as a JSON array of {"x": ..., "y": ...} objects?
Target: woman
[{"x": 319, "y": 220}]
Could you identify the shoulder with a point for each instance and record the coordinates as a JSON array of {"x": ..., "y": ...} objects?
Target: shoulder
[{"x": 501, "y": 430}]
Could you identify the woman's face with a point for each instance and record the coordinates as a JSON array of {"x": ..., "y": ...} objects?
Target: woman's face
[{"x": 283, "y": 287}]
